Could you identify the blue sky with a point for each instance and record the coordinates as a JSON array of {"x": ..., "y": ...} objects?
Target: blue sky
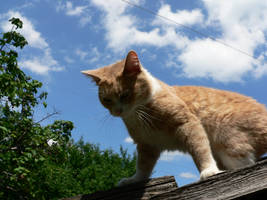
[{"x": 66, "y": 37}]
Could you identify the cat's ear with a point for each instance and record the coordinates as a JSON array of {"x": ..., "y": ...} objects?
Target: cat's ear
[
  {"x": 132, "y": 65},
  {"x": 95, "y": 74}
]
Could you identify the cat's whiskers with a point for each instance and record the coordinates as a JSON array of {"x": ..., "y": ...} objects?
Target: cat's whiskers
[
  {"x": 151, "y": 113},
  {"x": 142, "y": 119},
  {"x": 147, "y": 118}
]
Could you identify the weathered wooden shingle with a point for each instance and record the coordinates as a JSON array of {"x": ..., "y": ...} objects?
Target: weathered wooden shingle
[
  {"x": 140, "y": 191},
  {"x": 249, "y": 183}
]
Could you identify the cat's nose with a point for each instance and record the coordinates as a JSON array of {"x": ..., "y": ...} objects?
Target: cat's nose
[{"x": 117, "y": 111}]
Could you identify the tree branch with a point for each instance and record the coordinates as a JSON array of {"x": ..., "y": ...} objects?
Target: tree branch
[{"x": 47, "y": 116}]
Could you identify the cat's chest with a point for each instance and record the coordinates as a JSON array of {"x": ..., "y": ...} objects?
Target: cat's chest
[{"x": 147, "y": 131}]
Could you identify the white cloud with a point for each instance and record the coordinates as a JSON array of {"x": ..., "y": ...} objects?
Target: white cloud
[
  {"x": 241, "y": 23},
  {"x": 74, "y": 11},
  {"x": 81, "y": 54},
  {"x": 68, "y": 59},
  {"x": 122, "y": 29},
  {"x": 90, "y": 56},
  {"x": 183, "y": 17},
  {"x": 171, "y": 155},
  {"x": 250, "y": 13},
  {"x": 78, "y": 11},
  {"x": 206, "y": 58},
  {"x": 35, "y": 65},
  {"x": 188, "y": 175},
  {"x": 111, "y": 6},
  {"x": 128, "y": 140},
  {"x": 85, "y": 19},
  {"x": 44, "y": 61},
  {"x": 41, "y": 65},
  {"x": 69, "y": 9},
  {"x": 95, "y": 55},
  {"x": 261, "y": 66},
  {"x": 33, "y": 37}
]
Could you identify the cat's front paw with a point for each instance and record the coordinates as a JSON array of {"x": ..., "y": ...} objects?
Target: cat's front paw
[
  {"x": 209, "y": 172},
  {"x": 127, "y": 181}
]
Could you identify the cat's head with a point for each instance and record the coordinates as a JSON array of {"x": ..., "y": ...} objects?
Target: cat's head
[{"x": 122, "y": 86}]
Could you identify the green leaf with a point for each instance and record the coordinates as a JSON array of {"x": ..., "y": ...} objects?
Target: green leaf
[
  {"x": 45, "y": 104},
  {"x": 17, "y": 22},
  {"x": 4, "y": 129}
]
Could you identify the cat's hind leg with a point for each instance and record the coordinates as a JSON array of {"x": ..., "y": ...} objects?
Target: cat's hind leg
[
  {"x": 236, "y": 150},
  {"x": 236, "y": 161}
]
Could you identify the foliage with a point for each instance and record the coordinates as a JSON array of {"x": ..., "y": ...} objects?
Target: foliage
[
  {"x": 29, "y": 167},
  {"x": 82, "y": 168}
]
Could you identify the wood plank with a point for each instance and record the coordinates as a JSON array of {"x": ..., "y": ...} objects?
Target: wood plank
[
  {"x": 242, "y": 184},
  {"x": 247, "y": 183},
  {"x": 139, "y": 191}
]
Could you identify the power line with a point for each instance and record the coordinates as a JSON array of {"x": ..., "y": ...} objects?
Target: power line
[{"x": 188, "y": 28}]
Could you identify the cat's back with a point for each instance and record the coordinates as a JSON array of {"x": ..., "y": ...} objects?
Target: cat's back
[
  {"x": 188, "y": 93},
  {"x": 208, "y": 102}
]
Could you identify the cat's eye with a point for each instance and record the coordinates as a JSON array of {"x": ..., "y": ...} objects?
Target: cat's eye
[
  {"x": 107, "y": 101},
  {"x": 124, "y": 96}
]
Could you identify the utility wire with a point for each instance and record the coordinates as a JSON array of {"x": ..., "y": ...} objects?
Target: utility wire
[{"x": 188, "y": 28}]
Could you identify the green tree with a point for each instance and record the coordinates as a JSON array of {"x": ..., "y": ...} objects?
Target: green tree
[
  {"x": 23, "y": 142},
  {"x": 29, "y": 167},
  {"x": 83, "y": 168}
]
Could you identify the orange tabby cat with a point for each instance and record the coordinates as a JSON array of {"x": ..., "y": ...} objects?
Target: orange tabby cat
[{"x": 220, "y": 129}]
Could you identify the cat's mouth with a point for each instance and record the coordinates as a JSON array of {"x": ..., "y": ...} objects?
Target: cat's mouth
[
  {"x": 116, "y": 114},
  {"x": 119, "y": 113}
]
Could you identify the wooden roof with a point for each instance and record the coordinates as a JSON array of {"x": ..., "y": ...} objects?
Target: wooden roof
[{"x": 246, "y": 183}]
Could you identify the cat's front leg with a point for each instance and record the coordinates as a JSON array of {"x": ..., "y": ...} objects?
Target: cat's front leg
[{"x": 147, "y": 157}]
